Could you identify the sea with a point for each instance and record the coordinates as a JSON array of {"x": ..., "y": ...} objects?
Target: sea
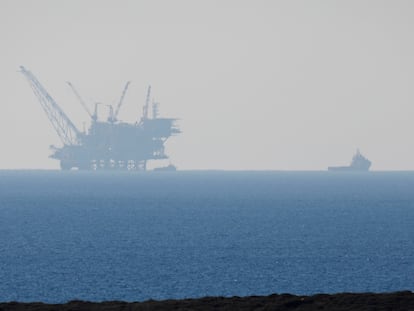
[{"x": 102, "y": 236}]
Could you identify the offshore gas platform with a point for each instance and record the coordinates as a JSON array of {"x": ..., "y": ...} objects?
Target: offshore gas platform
[{"x": 109, "y": 144}]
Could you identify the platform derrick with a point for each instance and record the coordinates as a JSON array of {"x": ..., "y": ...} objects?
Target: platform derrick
[{"x": 107, "y": 144}]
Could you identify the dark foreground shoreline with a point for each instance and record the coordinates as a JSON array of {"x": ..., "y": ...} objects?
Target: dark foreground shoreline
[{"x": 336, "y": 302}]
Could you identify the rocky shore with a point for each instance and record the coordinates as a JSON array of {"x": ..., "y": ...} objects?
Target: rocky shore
[{"x": 283, "y": 302}]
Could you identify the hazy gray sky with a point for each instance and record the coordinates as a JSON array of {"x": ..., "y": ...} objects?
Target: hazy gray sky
[{"x": 257, "y": 84}]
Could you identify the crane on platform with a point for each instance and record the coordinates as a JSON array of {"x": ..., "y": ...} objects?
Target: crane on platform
[
  {"x": 147, "y": 102},
  {"x": 114, "y": 115},
  {"x": 64, "y": 127},
  {"x": 93, "y": 116}
]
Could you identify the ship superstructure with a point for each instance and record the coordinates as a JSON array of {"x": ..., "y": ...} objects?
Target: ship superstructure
[
  {"x": 358, "y": 163},
  {"x": 109, "y": 144}
]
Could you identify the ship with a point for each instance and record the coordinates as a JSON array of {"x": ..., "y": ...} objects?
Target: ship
[
  {"x": 168, "y": 168},
  {"x": 108, "y": 144},
  {"x": 359, "y": 163}
]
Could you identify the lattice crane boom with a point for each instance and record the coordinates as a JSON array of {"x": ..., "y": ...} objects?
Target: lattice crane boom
[
  {"x": 93, "y": 116},
  {"x": 121, "y": 100},
  {"x": 147, "y": 102},
  {"x": 66, "y": 130}
]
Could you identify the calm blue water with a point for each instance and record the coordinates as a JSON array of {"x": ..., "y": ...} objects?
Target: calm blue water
[{"x": 105, "y": 236}]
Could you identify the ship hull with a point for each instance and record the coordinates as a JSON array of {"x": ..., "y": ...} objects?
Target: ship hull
[{"x": 346, "y": 169}]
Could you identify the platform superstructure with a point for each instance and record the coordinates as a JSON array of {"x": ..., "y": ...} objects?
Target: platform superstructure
[{"x": 109, "y": 144}]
